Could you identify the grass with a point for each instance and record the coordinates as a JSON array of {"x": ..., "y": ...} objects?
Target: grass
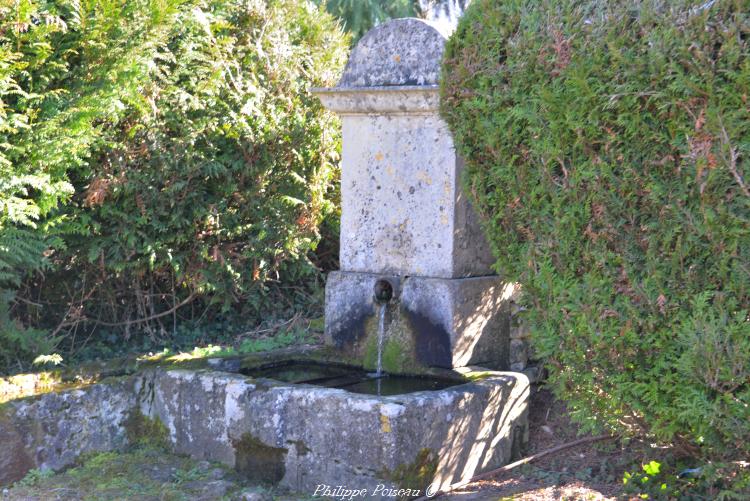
[{"x": 141, "y": 473}]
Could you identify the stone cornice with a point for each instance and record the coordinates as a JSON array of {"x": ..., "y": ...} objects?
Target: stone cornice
[{"x": 388, "y": 100}]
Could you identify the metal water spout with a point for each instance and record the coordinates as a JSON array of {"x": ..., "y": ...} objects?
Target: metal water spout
[
  {"x": 383, "y": 291},
  {"x": 382, "y": 294}
]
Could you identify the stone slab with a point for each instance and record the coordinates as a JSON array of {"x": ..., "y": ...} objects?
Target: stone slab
[{"x": 441, "y": 322}]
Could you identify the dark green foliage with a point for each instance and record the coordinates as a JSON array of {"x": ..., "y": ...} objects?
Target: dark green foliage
[
  {"x": 359, "y": 16},
  {"x": 607, "y": 149},
  {"x": 156, "y": 154},
  {"x": 714, "y": 481}
]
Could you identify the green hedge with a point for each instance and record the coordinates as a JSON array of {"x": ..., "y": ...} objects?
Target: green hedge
[
  {"x": 608, "y": 150},
  {"x": 185, "y": 156}
]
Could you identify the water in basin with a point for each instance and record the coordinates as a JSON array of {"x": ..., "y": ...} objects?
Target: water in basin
[{"x": 348, "y": 378}]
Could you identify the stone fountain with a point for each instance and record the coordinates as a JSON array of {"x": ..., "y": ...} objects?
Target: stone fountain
[
  {"x": 406, "y": 225},
  {"x": 415, "y": 296}
]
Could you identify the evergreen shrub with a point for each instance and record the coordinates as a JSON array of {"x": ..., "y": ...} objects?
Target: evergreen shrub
[
  {"x": 607, "y": 148},
  {"x": 160, "y": 153}
]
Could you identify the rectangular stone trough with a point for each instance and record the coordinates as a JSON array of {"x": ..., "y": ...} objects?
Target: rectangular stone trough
[
  {"x": 294, "y": 435},
  {"x": 303, "y": 436}
]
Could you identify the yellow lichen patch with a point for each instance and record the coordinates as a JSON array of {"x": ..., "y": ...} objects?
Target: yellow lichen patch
[
  {"x": 424, "y": 177},
  {"x": 385, "y": 424}
]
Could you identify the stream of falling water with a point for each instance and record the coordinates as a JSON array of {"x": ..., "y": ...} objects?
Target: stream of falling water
[{"x": 381, "y": 336}]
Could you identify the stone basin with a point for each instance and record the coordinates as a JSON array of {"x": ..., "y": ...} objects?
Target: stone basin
[
  {"x": 303, "y": 436},
  {"x": 299, "y": 436}
]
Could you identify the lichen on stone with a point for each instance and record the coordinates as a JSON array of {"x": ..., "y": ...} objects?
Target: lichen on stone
[
  {"x": 398, "y": 356},
  {"x": 300, "y": 447}
]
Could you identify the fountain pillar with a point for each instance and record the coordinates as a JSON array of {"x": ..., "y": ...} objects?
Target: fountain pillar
[{"x": 405, "y": 218}]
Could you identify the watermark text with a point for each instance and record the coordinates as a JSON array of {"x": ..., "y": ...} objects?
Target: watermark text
[{"x": 345, "y": 493}]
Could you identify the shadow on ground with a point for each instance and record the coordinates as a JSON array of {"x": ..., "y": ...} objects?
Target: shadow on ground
[{"x": 586, "y": 472}]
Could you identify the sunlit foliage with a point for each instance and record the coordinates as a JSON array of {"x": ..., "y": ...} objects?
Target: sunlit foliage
[
  {"x": 607, "y": 149},
  {"x": 156, "y": 152}
]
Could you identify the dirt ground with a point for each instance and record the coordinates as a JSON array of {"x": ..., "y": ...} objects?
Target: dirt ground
[{"x": 592, "y": 471}]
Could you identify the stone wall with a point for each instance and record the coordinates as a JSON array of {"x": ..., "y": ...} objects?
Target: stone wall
[{"x": 52, "y": 430}]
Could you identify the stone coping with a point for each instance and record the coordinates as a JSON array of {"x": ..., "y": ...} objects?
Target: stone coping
[
  {"x": 30, "y": 385},
  {"x": 385, "y": 99}
]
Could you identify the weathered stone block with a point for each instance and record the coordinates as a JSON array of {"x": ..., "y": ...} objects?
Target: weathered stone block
[
  {"x": 402, "y": 208},
  {"x": 52, "y": 430},
  {"x": 403, "y": 211},
  {"x": 434, "y": 322},
  {"x": 519, "y": 354}
]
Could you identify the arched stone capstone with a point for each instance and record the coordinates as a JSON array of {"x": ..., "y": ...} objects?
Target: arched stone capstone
[{"x": 398, "y": 53}]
